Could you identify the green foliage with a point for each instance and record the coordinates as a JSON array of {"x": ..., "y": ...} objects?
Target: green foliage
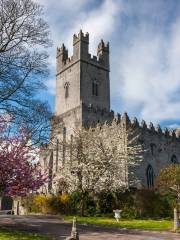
[
  {"x": 169, "y": 179},
  {"x": 75, "y": 202},
  {"x": 137, "y": 204},
  {"x": 154, "y": 204},
  {"x": 48, "y": 204},
  {"x": 89, "y": 204},
  {"x": 40, "y": 203},
  {"x": 125, "y": 202},
  {"x": 130, "y": 213},
  {"x": 91, "y": 207},
  {"x": 134, "y": 204},
  {"x": 106, "y": 202},
  {"x": 59, "y": 204}
]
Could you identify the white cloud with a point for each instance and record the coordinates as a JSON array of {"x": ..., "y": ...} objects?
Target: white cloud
[
  {"x": 149, "y": 70},
  {"x": 100, "y": 23},
  {"x": 62, "y": 5}
]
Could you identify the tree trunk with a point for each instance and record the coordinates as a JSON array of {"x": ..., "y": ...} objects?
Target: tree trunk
[
  {"x": 82, "y": 204},
  {"x": 0, "y": 202}
]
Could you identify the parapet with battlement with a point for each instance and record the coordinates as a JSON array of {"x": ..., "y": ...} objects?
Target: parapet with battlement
[
  {"x": 81, "y": 53},
  {"x": 104, "y": 116},
  {"x": 81, "y": 37}
]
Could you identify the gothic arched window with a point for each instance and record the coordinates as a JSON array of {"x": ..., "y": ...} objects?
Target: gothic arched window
[
  {"x": 66, "y": 87},
  {"x": 174, "y": 159},
  {"x": 150, "y": 176},
  {"x": 95, "y": 90}
]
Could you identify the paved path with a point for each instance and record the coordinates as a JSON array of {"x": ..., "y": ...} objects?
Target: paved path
[{"x": 59, "y": 229}]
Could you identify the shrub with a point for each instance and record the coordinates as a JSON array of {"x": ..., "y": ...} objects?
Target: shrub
[
  {"x": 39, "y": 204},
  {"x": 134, "y": 204},
  {"x": 75, "y": 202},
  {"x": 60, "y": 204},
  {"x": 48, "y": 204},
  {"x": 129, "y": 212},
  {"x": 137, "y": 203},
  {"x": 106, "y": 202},
  {"x": 89, "y": 204},
  {"x": 154, "y": 204}
]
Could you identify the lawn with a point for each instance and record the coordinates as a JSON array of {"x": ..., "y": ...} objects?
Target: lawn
[
  {"x": 154, "y": 225},
  {"x": 14, "y": 235}
]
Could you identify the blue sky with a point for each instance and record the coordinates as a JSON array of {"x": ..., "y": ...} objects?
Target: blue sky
[{"x": 144, "y": 41}]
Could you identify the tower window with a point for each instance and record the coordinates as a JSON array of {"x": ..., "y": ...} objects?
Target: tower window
[
  {"x": 95, "y": 89},
  {"x": 66, "y": 87},
  {"x": 150, "y": 176}
]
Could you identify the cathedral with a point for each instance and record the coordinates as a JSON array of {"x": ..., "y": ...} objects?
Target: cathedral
[{"x": 83, "y": 98}]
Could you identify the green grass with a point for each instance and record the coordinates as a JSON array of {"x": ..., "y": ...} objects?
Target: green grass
[
  {"x": 6, "y": 234},
  {"x": 154, "y": 225}
]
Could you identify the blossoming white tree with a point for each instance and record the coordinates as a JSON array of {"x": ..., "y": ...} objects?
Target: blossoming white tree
[{"x": 100, "y": 158}]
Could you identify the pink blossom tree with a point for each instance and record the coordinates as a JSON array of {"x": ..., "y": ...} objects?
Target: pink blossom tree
[{"x": 20, "y": 172}]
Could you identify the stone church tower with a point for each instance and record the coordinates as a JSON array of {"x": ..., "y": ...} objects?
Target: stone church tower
[
  {"x": 83, "y": 99},
  {"x": 82, "y": 85}
]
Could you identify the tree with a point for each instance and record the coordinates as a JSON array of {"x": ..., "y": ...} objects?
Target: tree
[
  {"x": 100, "y": 159},
  {"x": 20, "y": 173},
  {"x": 24, "y": 35},
  {"x": 169, "y": 179}
]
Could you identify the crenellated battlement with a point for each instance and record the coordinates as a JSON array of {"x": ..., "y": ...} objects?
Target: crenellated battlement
[
  {"x": 102, "y": 46},
  {"x": 134, "y": 123},
  {"x": 81, "y": 37},
  {"x": 143, "y": 126},
  {"x": 81, "y": 52},
  {"x": 62, "y": 51}
]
